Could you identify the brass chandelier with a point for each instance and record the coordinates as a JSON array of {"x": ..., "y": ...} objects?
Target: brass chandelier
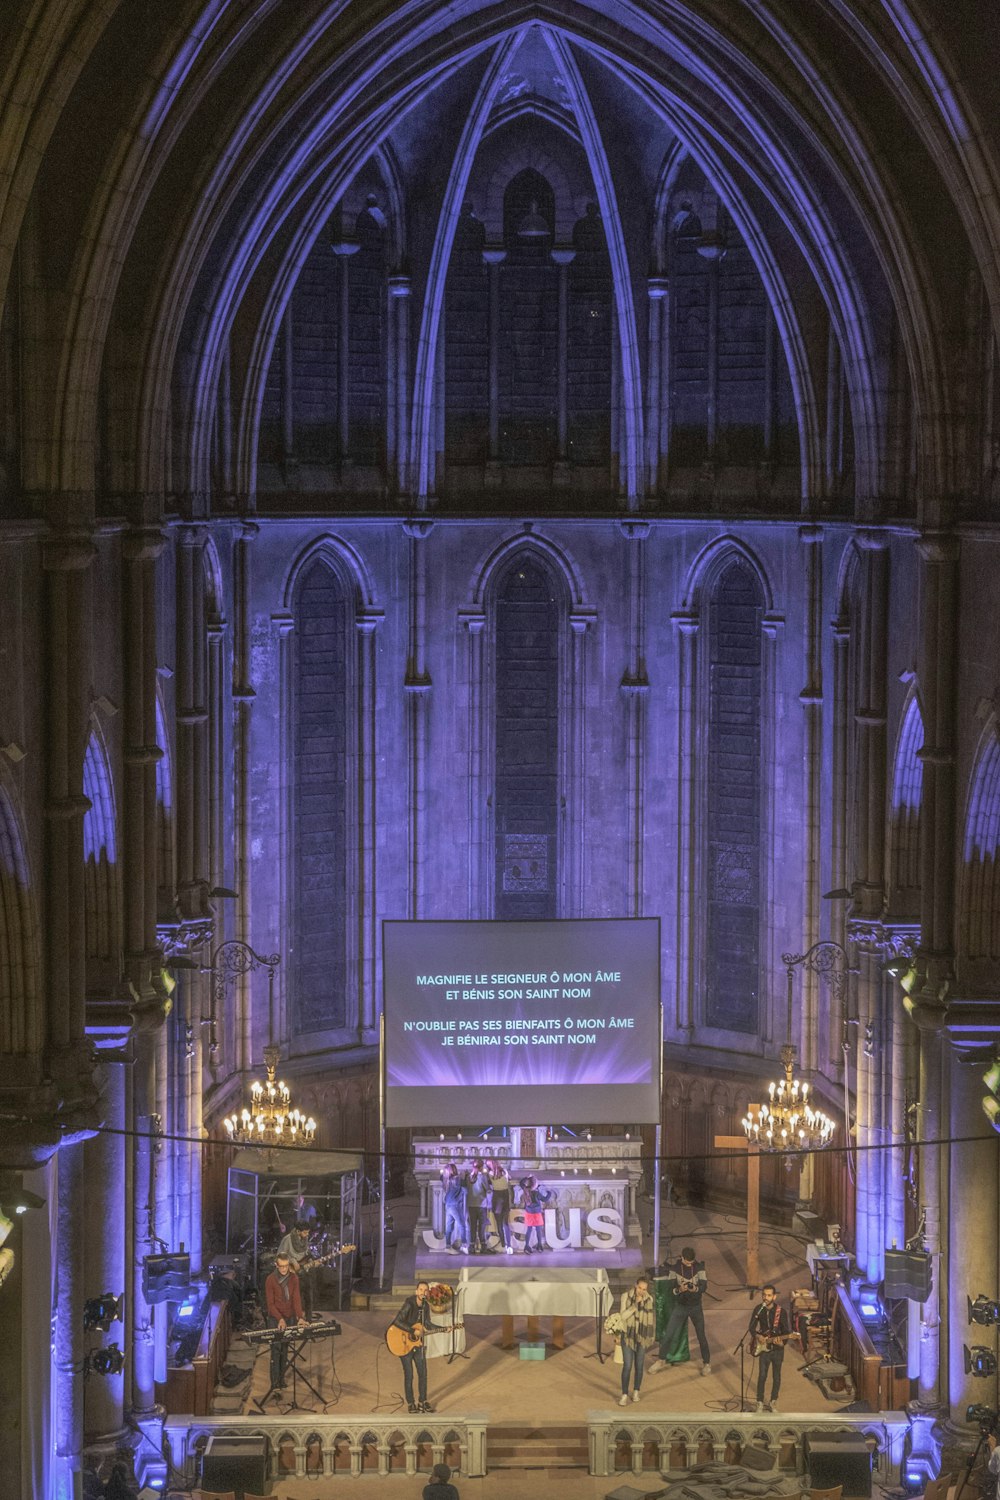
[
  {"x": 268, "y": 1118},
  {"x": 788, "y": 1121}
]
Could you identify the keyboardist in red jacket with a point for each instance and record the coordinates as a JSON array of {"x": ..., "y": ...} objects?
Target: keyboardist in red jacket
[{"x": 284, "y": 1306}]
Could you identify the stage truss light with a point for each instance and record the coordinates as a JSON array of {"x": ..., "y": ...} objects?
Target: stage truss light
[
  {"x": 101, "y": 1312},
  {"x": 983, "y": 1310},
  {"x": 979, "y": 1361}
]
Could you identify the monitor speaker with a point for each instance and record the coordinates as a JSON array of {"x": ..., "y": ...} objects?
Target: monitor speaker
[
  {"x": 842, "y": 1458},
  {"x": 235, "y": 1463}
]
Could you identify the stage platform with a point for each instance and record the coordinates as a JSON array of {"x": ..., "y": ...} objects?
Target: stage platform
[{"x": 413, "y": 1262}]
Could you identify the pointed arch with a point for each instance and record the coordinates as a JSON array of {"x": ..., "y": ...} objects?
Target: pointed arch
[
  {"x": 21, "y": 1017},
  {"x": 979, "y": 922},
  {"x": 101, "y": 878},
  {"x": 904, "y": 811}
]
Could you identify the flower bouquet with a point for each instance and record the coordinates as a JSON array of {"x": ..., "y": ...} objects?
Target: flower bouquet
[
  {"x": 614, "y": 1326},
  {"x": 439, "y": 1296}
]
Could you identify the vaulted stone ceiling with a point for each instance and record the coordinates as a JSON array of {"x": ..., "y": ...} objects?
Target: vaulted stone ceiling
[{"x": 165, "y": 172}]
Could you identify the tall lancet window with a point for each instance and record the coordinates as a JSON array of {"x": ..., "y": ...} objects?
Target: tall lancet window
[
  {"x": 733, "y": 802},
  {"x": 100, "y": 871},
  {"x": 980, "y": 909},
  {"x": 904, "y": 815},
  {"x": 319, "y": 802},
  {"x": 526, "y": 802}
]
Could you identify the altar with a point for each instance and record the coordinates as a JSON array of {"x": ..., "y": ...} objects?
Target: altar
[{"x": 509, "y": 1292}]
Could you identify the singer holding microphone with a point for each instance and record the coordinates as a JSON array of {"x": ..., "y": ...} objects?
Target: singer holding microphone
[{"x": 769, "y": 1328}]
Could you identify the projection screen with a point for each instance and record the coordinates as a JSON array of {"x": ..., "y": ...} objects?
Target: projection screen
[{"x": 522, "y": 1022}]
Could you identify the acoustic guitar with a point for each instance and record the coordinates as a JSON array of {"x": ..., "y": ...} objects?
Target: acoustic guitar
[{"x": 401, "y": 1342}]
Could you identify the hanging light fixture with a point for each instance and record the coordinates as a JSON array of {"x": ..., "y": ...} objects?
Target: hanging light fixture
[
  {"x": 268, "y": 1119},
  {"x": 788, "y": 1121},
  {"x": 533, "y": 226}
]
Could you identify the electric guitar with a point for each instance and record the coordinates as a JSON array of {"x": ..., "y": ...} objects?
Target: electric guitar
[
  {"x": 310, "y": 1262},
  {"x": 400, "y": 1341},
  {"x": 761, "y": 1343}
]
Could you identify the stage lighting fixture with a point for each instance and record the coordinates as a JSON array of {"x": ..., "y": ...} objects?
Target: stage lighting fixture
[
  {"x": 979, "y": 1361},
  {"x": 991, "y": 1099},
  {"x": 109, "y": 1361},
  {"x": 19, "y": 1200},
  {"x": 983, "y": 1310},
  {"x": 100, "y": 1312},
  {"x": 869, "y": 1306},
  {"x": 917, "y": 1475}
]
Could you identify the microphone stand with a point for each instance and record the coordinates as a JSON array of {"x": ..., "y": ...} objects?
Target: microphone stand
[{"x": 741, "y": 1351}]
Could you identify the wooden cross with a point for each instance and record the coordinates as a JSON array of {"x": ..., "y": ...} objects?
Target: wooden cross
[{"x": 741, "y": 1143}]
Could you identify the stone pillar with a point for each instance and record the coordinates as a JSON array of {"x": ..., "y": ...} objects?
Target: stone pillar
[
  {"x": 103, "y": 1229},
  {"x": 713, "y": 252},
  {"x": 831, "y": 446},
  {"x": 574, "y": 810},
  {"x": 812, "y": 1048},
  {"x": 143, "y": 1227},
  {"x": 344, "y": 249},
  {"x": 686, "y": 626},
  {"x": 68, "y": 1343},
  {"x": 657, "y": 288},
  {"x": 563, "y": 258},
  {"x": 868, "y": 889},
  {"x": 971, "y": 1266},
  {"x": 494, "y": 258},
  {"x": 398, "y": 426},
  {"x": 479, "y": 846},
  {"x": 366, "y": 624},
  {"x": 635, "y": 688},
  {"x": 240, "y": 1046},
  {"x": 935, "y": 958},
  {"x": 417, "y": 685}
]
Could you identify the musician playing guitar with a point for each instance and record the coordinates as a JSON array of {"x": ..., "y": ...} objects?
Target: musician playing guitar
[
  {"x": 414, "y": 1318},
  {"x": 295, "y": 1246},
  {"x": 284, "y": 1306},
  {"x": 769, "y": 1328}
]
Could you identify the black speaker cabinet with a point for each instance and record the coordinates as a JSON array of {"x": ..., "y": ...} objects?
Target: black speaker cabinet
[
  {"x": 908, "y": 1274},
  {"x": 843, "y": 1458},
  {"x": 235, "y": 1463}
]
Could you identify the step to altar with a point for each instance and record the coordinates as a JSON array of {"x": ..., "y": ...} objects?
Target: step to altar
[{"x": 513, "y": 1445}]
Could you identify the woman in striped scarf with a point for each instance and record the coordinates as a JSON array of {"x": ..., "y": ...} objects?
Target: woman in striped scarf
[{"x": 638, "y": 1319}]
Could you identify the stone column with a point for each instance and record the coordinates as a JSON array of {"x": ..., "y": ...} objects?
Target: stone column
[
  {"x": 574, "y": 809},
  {"x": 104, "y": 1237},
  {"x": 686, "y": 626},
  {"x": 563, "y": 258},
  {"x": 241, "y": 1052},
  {"x": 479, "y": 847},
  {"x": 494, "y": 258},
  {"x": 417, "y": 685},
  {"x": 68, "y": 1343},
  {"x": 344, "y": 249},
  {"x": 935, "y": 958},
  {"x": 971, "y": 1266},
  {"x": 366, "y": 624},
  {"x": 143, "y": 1228},
  {"x": 811, "y": 698},
  {"x": 634, "y": 686},
  {"x": 398, "y": 426},
  {"x": 657, "y": 288}
]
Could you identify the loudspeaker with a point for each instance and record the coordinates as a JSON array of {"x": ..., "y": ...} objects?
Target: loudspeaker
[
  {"x": 843, "y": 1458},
  {"x": 908, "y": 1274},
  {"x": 235, "y": 1463}
]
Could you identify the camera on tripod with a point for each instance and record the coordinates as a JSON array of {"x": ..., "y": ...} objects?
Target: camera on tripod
[{"x": 985, "y": 1418}]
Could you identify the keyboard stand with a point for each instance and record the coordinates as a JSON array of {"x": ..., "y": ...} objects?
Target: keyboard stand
[{"x": 296, "y": 1349}]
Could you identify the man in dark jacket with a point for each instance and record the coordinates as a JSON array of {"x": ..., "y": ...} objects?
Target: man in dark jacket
[
  {"x": 687, "y": 1280},
  {"x": 769, "y": 1327},
  {"x": 414, "y": 1317},
  {"x": 439, "y": 1487}
]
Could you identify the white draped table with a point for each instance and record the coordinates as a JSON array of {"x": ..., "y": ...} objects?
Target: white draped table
[{"x": 510, "y": 1292}]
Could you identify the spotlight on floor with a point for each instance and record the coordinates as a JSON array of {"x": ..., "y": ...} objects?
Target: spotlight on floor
[
  {"x": 983, "y": 1310},
  {"x": 917, "y": 1474},
  {"x": 101, "y": 1312},
  {"x": 979, "y": 1361},
  {"x": 869, "y": 1305}
]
